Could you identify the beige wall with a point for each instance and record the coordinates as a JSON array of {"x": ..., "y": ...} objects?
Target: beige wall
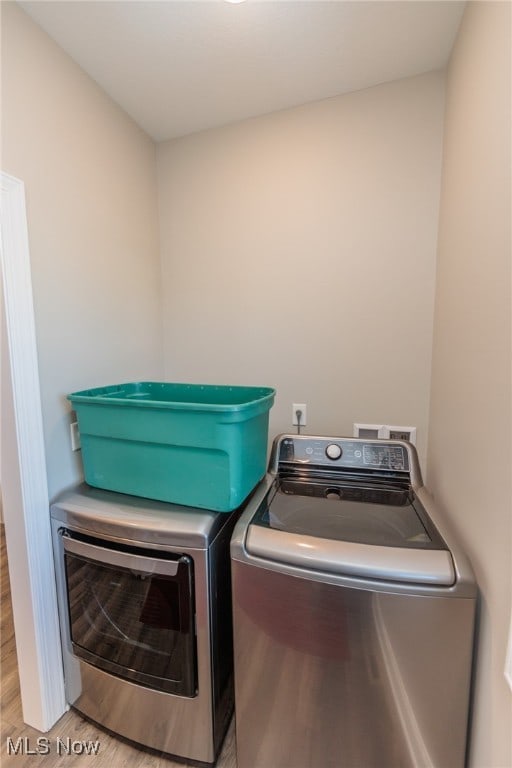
[
  {"x": 469, "y": 454},
  {"x": 298, "y": 251},
  {"x": 90, "y": 183}
]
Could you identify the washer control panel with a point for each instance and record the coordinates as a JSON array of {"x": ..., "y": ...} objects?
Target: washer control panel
[{"x": 343, "y": 452}]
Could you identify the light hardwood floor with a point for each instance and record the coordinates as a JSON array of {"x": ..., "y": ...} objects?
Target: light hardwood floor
[{"x": 112, "y": 752}]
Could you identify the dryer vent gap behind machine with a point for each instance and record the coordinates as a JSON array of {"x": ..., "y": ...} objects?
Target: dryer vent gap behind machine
[
  {"x": 353, "y": 614},
  {"x": 145, "y": 604}
]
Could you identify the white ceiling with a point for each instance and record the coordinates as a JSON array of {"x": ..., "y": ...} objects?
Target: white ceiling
[{"x": 182, "y": 66}]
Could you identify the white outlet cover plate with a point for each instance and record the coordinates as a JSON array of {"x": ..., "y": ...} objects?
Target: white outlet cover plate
[
  {"x": 75, "y": 436},
  {"x": 411, "y": 431},
  {"x": 304, "y": 418}
]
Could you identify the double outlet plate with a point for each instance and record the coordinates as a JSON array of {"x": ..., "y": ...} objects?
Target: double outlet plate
[{"x": 385, "y": 432}]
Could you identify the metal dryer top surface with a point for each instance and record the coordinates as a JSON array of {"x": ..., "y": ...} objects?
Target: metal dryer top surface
[{"x": 155, "y": 523}]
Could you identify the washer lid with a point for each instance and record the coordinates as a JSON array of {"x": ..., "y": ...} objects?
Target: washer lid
[
  {"x": 369, "y": 540},
  {"x": 388, "y": 516}
]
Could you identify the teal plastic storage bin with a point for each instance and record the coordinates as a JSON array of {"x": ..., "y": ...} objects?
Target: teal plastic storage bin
[{"x": 192, "y": 444}]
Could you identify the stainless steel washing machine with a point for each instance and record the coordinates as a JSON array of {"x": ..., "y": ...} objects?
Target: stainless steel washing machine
[
  {"x": 353, "y": 613},
  {"x": 145, "y": 606}
]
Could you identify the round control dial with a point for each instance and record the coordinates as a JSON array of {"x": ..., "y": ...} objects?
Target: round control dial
[{"x": 333, "y": 451}]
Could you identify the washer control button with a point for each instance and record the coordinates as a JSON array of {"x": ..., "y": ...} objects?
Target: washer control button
[{"x": 333, "y": 451}]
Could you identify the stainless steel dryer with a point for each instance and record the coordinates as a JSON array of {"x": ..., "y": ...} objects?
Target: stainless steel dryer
[
  {"x": 353, "y": 613},
  {"x": 145, "y": 607}
]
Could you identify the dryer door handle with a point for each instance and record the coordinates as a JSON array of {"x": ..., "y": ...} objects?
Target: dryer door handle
[{"x": 148, "y": 566}]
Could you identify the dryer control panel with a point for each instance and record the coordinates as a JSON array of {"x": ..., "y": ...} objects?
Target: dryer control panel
[{"x": 344, "y": 453}]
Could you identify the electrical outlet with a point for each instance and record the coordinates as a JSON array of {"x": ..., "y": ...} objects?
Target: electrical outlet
[
  {"x": 303, "y": 409},
  {"x": 403, "y": 433},
  {"x": 75, "y": 436}
]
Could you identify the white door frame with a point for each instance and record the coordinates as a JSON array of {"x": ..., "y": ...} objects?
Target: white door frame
[{"x": 24, "y": 480}]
